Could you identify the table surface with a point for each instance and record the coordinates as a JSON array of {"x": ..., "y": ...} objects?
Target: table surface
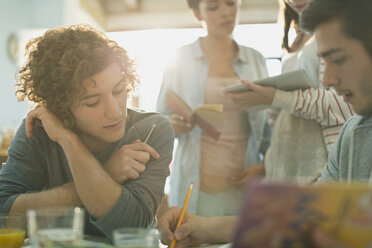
[{"x": 103, "y": 245}]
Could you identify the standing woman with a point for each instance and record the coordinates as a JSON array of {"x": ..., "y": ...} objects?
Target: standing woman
[
  {"x": 199, "y": 74},
  {"x": 305, "y": 122}
]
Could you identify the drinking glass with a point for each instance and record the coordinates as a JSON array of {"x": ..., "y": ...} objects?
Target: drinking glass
[
  {"x": 55, "y": 227},
  {"x": 136, "y": 237},
  {"x": 12, "y": 230}
]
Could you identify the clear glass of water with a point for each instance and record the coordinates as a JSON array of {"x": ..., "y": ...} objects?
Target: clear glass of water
[
  {"x": 136, "y": 237},
  {"x": 55, "y": 227}
]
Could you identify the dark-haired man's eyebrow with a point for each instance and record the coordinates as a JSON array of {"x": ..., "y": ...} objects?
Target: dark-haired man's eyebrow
[
  {"x": 329, "y": 52},
  {"x": 97, "y": 94}
]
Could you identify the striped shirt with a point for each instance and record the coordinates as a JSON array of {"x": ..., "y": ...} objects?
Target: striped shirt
[{"x": 321, "y": 105}]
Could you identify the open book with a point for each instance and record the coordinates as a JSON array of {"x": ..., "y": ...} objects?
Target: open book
[
  {"x": 343, "y": 211},
  {"x": 206, "y": 116}
]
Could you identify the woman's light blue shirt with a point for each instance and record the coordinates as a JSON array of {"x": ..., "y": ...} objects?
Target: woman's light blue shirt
[{"x": 187, "y": 75}]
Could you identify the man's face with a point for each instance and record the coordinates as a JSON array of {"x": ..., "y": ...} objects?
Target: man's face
[
  {"x": 101, "y": 112},
  {"x": 348, "y": 67}
]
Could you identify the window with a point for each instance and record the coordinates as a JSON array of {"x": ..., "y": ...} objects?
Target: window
[{"x": 153, "y": 49}]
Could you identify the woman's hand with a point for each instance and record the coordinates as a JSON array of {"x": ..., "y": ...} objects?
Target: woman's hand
[
  {"x": 180, "y": 124},
  {"x": 257, "y": 95}
]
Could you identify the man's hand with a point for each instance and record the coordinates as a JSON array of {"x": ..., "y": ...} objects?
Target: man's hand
[
  {"x": 51, "y": 124},
  {"x": 129, "y": 161},
  {"x": 190, "y": 233},
  {"x": 258, "y": 95},
  {"x": 180, "y": 124},
  {"x": 64, "y": 195}
]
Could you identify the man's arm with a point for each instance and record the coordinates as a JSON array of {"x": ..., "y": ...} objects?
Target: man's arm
[
  {"x": 91, "y": 182},
  {"x": 140, "y": 198},
  {"x": 97, "y": 190},
  {"x": 64, "y": 195},
  {"x": 24, "y": 177}
]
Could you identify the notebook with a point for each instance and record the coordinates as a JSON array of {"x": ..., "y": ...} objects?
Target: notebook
[
  {"x": 343, "y": 211},
  {"x": 289, "y": 81}
]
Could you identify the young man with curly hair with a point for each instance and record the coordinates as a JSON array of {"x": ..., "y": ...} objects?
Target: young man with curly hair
[{"x": 81, "y": 146}]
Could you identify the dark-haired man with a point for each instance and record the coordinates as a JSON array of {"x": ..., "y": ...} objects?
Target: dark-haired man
[{"x": 344, "y": 39}]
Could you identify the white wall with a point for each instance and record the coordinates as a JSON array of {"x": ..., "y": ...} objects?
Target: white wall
[
  {"x": 17, "y": 15},
  {"x": 20, "y": 16},
  {"x": 152, "y": 50}
]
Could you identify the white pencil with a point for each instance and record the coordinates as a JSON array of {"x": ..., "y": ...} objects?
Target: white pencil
[{"x": 152, "y": 129}]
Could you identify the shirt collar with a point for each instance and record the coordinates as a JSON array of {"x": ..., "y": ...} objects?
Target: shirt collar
[
  {"x": 196, "y": 49},
  {"x": 242, "y": 56}
]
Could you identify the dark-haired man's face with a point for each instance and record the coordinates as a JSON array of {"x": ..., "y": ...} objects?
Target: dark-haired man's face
[
  {"x": 102, "y": 110},
  {"x": 348, "y": 66}
]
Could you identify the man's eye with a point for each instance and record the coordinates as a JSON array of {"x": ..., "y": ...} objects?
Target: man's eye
[
  {"x": 339, "y": 61},
  {"x": 91, "y": 104}
]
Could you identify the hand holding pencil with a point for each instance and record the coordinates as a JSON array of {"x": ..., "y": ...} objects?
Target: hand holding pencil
[
  {"x": 194, "y": 230},
  {"x": 173, "y": 243},
  {"x": 130, "y": 160}
]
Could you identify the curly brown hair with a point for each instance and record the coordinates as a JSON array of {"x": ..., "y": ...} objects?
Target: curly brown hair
[{"x": 60, "y": 60}]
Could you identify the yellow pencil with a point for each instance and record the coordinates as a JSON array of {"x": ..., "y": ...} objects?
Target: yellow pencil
[{"x": 173, "y": 243}]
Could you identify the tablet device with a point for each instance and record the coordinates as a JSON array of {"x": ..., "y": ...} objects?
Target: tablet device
[{"x": 289, "y": 81}]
